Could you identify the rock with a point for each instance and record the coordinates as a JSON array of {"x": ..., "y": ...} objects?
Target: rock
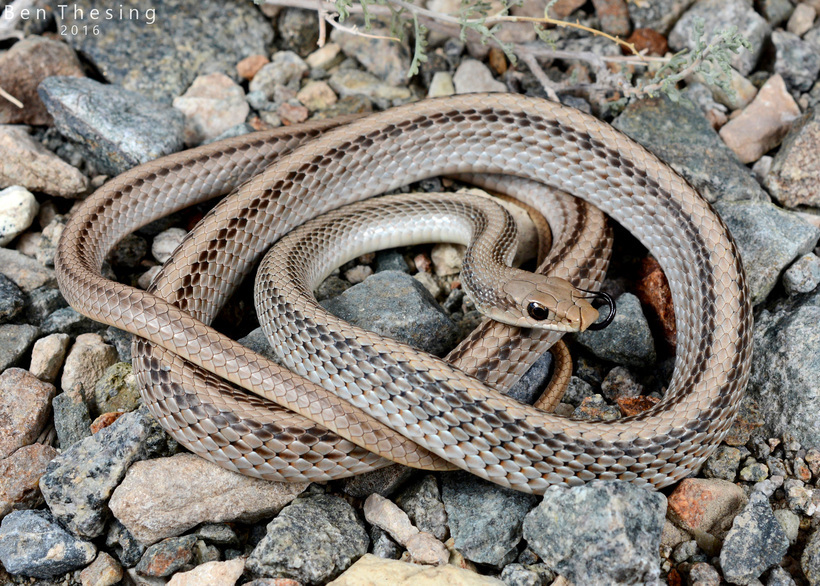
[
  {"x": 394, "y": 304},
  {"x": 68, "y": 321},
  {"x": 810, "y": 560},
  {"x": 298, "y": 30},
  {"x": 15, "y": 341},
  {"x": 217, "y": 534},
  {"x": 115, "y": 128},
  {"x": 485, "y": 519},
  {"x": 167, "y": 557},
  {"x": 697, "y": 152},
  {"x": 33, "y": 544},
  {"x": 447, "y": 258},
  {"x": 117, "y": 390},
  {"x": 659, "y": 15},
  {"x": 103, "y": 571},
  {"x": 627, "y": 340},
  {"x": 616, "y": 524},
  {"x": 41, "y": 302},
  {"x": 120, "y": 541},
  {"x": 312, "y": 540},
  {"x": 620, "y": 383},
  {"x": 790, "y": 522},
  {"x": 250, "y": 66},
  {"x": 801, "y": 20},
  {"x": 649, "y": 40},
  {"x": 473, "y": 76},
  {"x": 714, "y": 13},
  {"x": 755, "y": 542},
  {"x": 212, "y": 105},
  {"x": 317, "y": 95},
  {"x": 422, "y": 503},
  {"x": 595, "y": 408},
  {"x": 754, "y": 472},
  {"x": 292, "y": 113},
  {"x": 352, "y": 82},
  {"x": 423, "y": 547},
  {"x": 28, "y": 164},
  {"x": 373, "y": 571},
  {"x": 211, "y": 574},
  {"x": 79, "y": 482},
  {"x": 441, "y": 85},
  {"x": 47, "y": 356},
  {"x": 763, "y": 123},
  {"x": 23, "y": 67},
  {"x": 11, "y": 299},
  {"x": 723, "y": 464},
  {"x": 769, "y": 239},
  {"x": 797, "y": 61},
  {"x": 166, "y": 242},
  {"x": 784, "y": 382},
  {"x": 86, "y": 363},
  {"x": 167, "y": 496},
  {"x": 793, "y": 177},
  {"x": 25, "y": 404},
  {"x": 744, "y": 90},
  {"x": 324, "y": 57},
  {"x": 201, "y": 36},
  {"x": 383, "y": 481},
  {"x": 614, "y": 17},
  {"x": 803, "y": 276},
  {"x": 49, "y": 238},
  {"x": 71, "y": 419},
  {"x": 707, "y": 505},
  {"x": 19, "y": 474},
  {"x": 775, "y": 11},
  {"x": 285, "y": 69},
  {"x": 18, "y": 208},
  {"x": 25, "y": 272},
  {"x": 386, "y": 59},
  {"x": 383, "y": 546},
  {"x": 354, "y": 104}
]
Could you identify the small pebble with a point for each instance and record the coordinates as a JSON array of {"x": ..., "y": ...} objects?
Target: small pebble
[
  {"x": 18, "y": 208},
  {"x": 167, "y": 557},
  {"x": 473, "y": 76},
  {"x": 103, "y": 571},
  {"x": 803, "y": 275},
  {"x": 166, "y": 242},
  {"x": 47, "y": 356},
  {"x": 802, "y": 19},
  {"x": 251, "y": 65}
]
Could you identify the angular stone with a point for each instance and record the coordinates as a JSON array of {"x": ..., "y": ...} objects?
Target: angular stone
[
  {"x": 627, "y": 340},
  {"x": 706, "y": 505},
  {"x": 473, "y": 76},
  {"x": 167, "y": 557},
  {"x": 15, "y": 341},
  {"x": 25, "y": 272},
  {"x": 373, "y": 571},
  {"x": 117, "y": 390},
  {"x": 47, "y": 356},
  {"x": 86, "y": 363},
  {"x": 167, "y": 496},
  {"x": 798, "y": 61},
  {"x": 72, "y": 421},
  {"x": 212, "y": 105},
  {"x": 104, "y": 571},
  {"x": 19, "y": 474},
  {"x": 422, "y": 503},
  {"x": 25, "y": 404},
  {"x": 352, "y": 82},
  {"x": 386, "y": 59},
  {"x": 794, "y": 177},
  {"x": 211, "y": 574},
  {"x": 11, "y": 299}
]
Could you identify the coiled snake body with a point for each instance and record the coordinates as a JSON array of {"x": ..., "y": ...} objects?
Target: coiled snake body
[{"x": 441, "y": 416}]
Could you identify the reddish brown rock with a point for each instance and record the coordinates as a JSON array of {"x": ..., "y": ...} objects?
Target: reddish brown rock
[
  {"x": 25, "y": 404},
  {"x": 707, "y": 505},
  {"x": 614, "y": 16},
  {"x": 498, "y": 61},
  {"x": 291, "y": 114},
  {"x": 634, "y": 405},
  {"x": 104, "y": 421},
  {"x": 19, "y": 477},
  {"x": 250, "y": 66},
  {"x": 649, "y": 39},
  {"x": 23, "y": 67},
  {"x": 653, "y": 291}
]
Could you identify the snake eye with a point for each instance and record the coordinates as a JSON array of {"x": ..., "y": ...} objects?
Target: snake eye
[{"x": 537, "y": 311}]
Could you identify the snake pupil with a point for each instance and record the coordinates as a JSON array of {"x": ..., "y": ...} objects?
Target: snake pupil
[{"x": 537, "y": 311}]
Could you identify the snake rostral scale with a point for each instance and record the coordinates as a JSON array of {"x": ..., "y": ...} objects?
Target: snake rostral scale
[{"x": 442, "y": 417}]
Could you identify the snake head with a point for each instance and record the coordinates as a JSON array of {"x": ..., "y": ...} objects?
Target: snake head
[{"x": 547, "y": 303}]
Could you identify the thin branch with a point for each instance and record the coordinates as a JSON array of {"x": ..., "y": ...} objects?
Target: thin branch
[
  {"x": 549, "y": 87},
  {"x": 354, "y": 30},
  {"x": 322, "y": 24},
  {"x": 10, "y": 98}
]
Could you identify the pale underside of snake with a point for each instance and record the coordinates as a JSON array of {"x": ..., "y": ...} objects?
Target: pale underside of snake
[{"x": 426, "y": 413}]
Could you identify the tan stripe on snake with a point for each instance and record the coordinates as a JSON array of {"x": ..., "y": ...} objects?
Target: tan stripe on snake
[{"x": 442, "y": 412}]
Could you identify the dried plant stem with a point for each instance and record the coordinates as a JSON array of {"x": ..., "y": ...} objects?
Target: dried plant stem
[{"x": 10, "y": 98}]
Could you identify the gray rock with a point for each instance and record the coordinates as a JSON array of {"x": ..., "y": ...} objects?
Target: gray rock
[
  {"x": 780, "y": 577},
  {"x": 121, "y": 340},
  {"x": 769, "y": 239},
  {"x": 775, "y": 11},
  {"x": 285, "y": 69},
  {"x": 353, "y": 82},
  {"x": 394, "y": 304},
  {"x": 383, "y": 481},
  {"x": 129, "y": 252},
  {"x": 715, "y": 13},
  {"x": 797, "y": 61},
  {"x": 79, "y": 482},
  {"x": 383, "y": 545},
  {"x": 627, "y": 340},
  {"x": 257, "y": 342},
  {"x": 116, "y": 391},
  {"x": 26, "y": 272},
  {"x": 217, "y": 534},
  {"x": 698, "y": 153},
  {"x": 312, "y": 540},
  {"x": 620, "y": 383},
  {"x": 331, "y": 287},
  {"x": 595, "y": 408},
  {"x": 784, "y": 375},
  {"x": 298, "y": 30},
  {"x": 532, "y": 383},
  {"x": 11, "y": 299},
  {"x": 755, "y": 542},
  {"x": 532, "y": 575},
  {"x": 71, "y": 419},
  {"x": 803, "y": 276},
  {"x": 386, "y": 59},
  {"x": 167, "y": 557},
  {"x": 810, "y": 561},
  {"x": 485, "y": 519},
  {"x": 42, "y": 302},
  {"x": 33, "y": 544},
  {"x": 123, "y": 544},
  {"x": 723, "y": 463},
  {"x": 659, "y": 15},
  {"x": 422, "y": 503},
  {"x": 577, "y": 390},
  {"x": 117, "y": 128},
  {"x": 616, "y": 524},
  {"x": 15, "y": 341},
  {"x": 68, "y": 321},
  {"x": 202, "y": 36},
  {"x": 794, "y": 177},
  {"x": 390, "y": 260}
]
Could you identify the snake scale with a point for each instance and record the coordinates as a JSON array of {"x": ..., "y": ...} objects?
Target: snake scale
[{"x": 426, "y": 413}]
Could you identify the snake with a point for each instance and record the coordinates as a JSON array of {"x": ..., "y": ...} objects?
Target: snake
[{"x": 425, "y": 412}]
